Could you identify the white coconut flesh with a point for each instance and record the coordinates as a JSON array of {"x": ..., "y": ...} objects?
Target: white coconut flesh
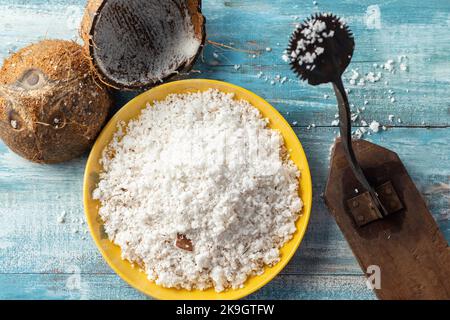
[{"x": 137, "y": 43}]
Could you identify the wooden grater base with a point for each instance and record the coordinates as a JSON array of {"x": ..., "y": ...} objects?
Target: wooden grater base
[{"x": 407, "y": 245}]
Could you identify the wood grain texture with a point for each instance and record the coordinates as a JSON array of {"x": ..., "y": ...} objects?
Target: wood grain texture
[
  {"x": 38, "y": 255},
  {"x": 109, "y": 286}
]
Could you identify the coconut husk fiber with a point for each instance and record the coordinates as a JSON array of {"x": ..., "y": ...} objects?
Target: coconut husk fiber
[{"x": 51, "y": 108}]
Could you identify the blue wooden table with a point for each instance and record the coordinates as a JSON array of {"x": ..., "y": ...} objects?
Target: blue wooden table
[{"x": 41, "y": 258}]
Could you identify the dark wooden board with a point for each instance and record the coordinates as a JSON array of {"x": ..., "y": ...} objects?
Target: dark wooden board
[{"x": 412, "y": 253}]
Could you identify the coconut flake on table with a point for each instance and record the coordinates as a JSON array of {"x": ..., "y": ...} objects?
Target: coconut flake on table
[
  {"x": 285, "y": 57},
  {"x": 355, "y": 74},
  {"x": 206, "y": 169},
  {"x": 373, "y": 77},
  {"x": 354, "y": 117},
  {"x": 375, "y": 126},
  {"x": 403, "y": 61},
  {"x": 389, "y": 65},
  {"x": 359, "y": 133},
  {"x": 62, "y": 218}
]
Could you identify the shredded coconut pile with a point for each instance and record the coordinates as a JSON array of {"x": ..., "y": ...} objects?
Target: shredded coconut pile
[{"x": 199, "y": 192}]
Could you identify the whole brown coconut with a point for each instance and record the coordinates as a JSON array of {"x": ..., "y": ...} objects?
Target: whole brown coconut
[
  {"x": 136, "y": 44},
  {"x": 51, "y": 109}
]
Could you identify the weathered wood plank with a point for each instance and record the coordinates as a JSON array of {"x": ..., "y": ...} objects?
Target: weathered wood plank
[
  {"x": 105, "y": 287},
  {"x": 419, "y": 32},
  {"x": 33, "y": 196}
]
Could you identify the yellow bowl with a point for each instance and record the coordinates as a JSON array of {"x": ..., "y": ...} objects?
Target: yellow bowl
[{"x": 111, "y": 253}]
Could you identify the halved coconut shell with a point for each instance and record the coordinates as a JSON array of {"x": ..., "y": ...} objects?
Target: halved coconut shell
[{"x": 136, "y": 44}]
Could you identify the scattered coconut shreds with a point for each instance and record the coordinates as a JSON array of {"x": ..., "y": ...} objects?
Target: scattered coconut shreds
[
  {"x": 356, "y": 78},
  {"x": 389, "y": 65},
  {"x": 403, "y": 61},
  {"x": 186, "y": 165},
  {"x": 355, "y": 75},
  {"x": 375, "y": 126},
  {"x": 358, "y": 134},
  {"x": 372, "y": 77}
]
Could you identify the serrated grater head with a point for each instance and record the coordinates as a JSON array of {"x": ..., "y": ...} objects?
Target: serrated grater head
[{"x": 321, "y": 48}]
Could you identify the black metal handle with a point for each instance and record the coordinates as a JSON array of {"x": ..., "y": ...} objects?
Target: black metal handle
[{"x": 346, "y": 136}]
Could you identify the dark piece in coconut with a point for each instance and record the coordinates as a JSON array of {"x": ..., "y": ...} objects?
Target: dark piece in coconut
[
  {"x": 136, "y": 44},
  {"x": 51, "y": 108}
]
